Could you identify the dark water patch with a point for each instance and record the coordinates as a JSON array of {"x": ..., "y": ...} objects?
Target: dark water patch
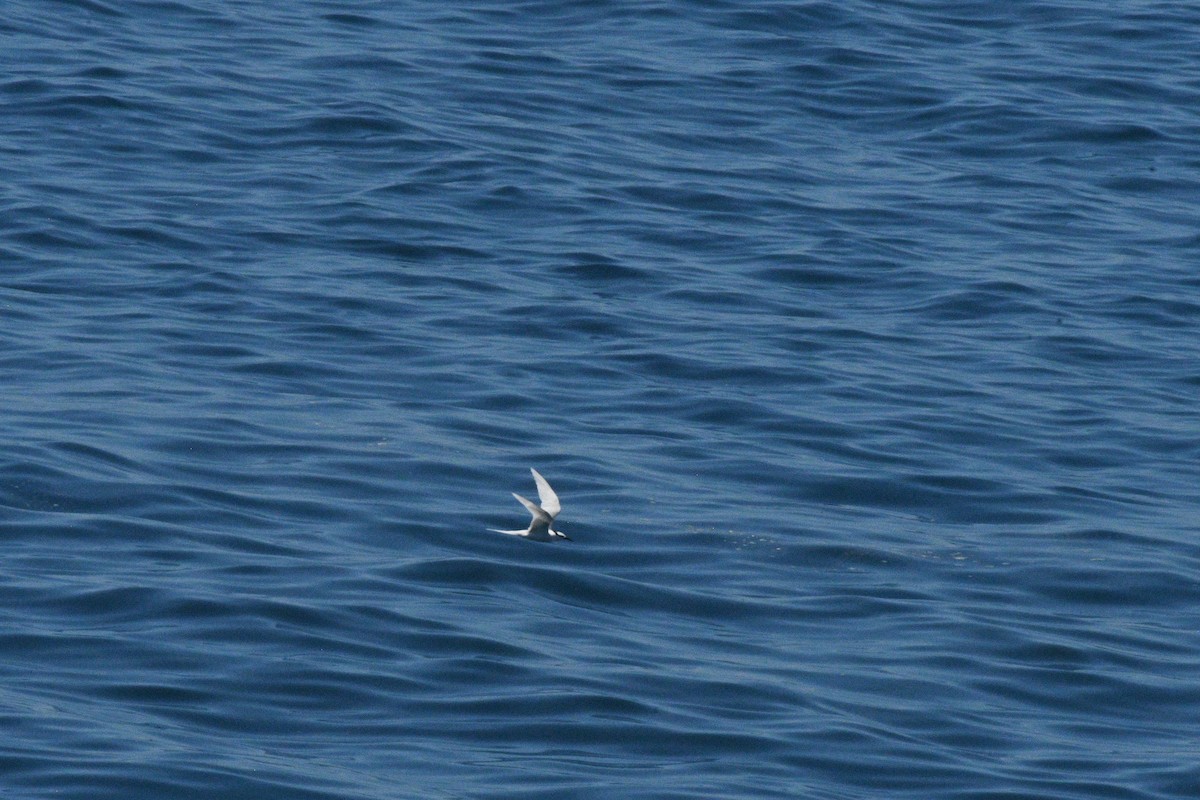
[
  {"x": 26, "y": 86},
  {"x": 1108, "y": 585},
  {"x": 977, "y": 303},
  {"x": 809, "y": 276},
  {"x": 600, "y": 268},
  {"x": 93, "y": 7},
  {"x": 155, "y": 695},
  {"x": 110, "y": 605},
  {"x": 1114, "y": 134},
  {"x": 352, "y": 20}
]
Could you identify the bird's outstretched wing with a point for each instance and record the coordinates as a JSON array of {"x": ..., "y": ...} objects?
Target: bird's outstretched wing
[
  {"x": 549, "y": 499},
  {"x": 538, "y": 514}
]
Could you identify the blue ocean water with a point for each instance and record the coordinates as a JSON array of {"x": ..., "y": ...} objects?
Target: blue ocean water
[{"x": 860, "y": 340}]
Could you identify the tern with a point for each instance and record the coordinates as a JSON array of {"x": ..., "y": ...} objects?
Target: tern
[{"x": 539, "y": 529}]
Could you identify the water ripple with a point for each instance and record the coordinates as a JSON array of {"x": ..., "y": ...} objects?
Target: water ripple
[{"x": 859, "y": 342}]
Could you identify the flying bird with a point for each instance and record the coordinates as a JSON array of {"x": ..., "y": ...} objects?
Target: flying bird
[{"x": 540, "y": 527}]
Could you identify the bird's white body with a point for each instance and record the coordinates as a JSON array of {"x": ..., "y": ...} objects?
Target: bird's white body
[{"x": 541, "y": 527}]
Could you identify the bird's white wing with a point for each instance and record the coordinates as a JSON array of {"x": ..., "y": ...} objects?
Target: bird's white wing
[
  {"x": 549, "y": 499},
  {"x": 538, "y": 513}
]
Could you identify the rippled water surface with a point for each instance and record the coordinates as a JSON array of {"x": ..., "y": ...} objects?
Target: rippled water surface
[{"x": 860, "y": 340}]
